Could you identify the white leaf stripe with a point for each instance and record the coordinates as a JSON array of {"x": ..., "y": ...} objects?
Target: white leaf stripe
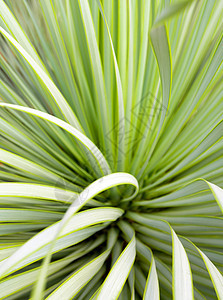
[
  {"x": 26, "y": 165},
  {"x": 215, "y": 275},
  {"x": 114, "y": 282},
  {"x": 36, "y": 191},
  {"x": 151, "y": 291},
  {"x": 182, "y": 277},
  {"x": 218, "y": 193}
]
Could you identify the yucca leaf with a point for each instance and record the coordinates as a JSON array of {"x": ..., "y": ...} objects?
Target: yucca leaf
[
  {"x": 215, "y": 275},
  {"x": 183, "y": 283},
  {"x": 115, "y": 280},
  {"x": 79, "y": 279},
  {"x": 152, "y": 285}
]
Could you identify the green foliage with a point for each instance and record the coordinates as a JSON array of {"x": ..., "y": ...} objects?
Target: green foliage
[{"x": 111, "y": 165}]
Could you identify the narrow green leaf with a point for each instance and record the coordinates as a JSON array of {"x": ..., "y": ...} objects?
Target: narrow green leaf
[
  {"x": 215, "y": 275},
  {"x": 16, "y": 189},
  {"x": 120, "y": 106},
  {"x": 182, "y": 277},
  {"x": 152, "y": 285},
  {"x": 104, "y": 117},
  {"x": 172, "y": 11},
  {"x": 218, "y": 193},
  {"x": 161, "y": 47},
  {"x": 19, "y": 162},
  {"x": 114, "y": 282}
]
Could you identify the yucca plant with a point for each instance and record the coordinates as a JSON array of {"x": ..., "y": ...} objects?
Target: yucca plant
[{"x": 111, "y": 149}]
